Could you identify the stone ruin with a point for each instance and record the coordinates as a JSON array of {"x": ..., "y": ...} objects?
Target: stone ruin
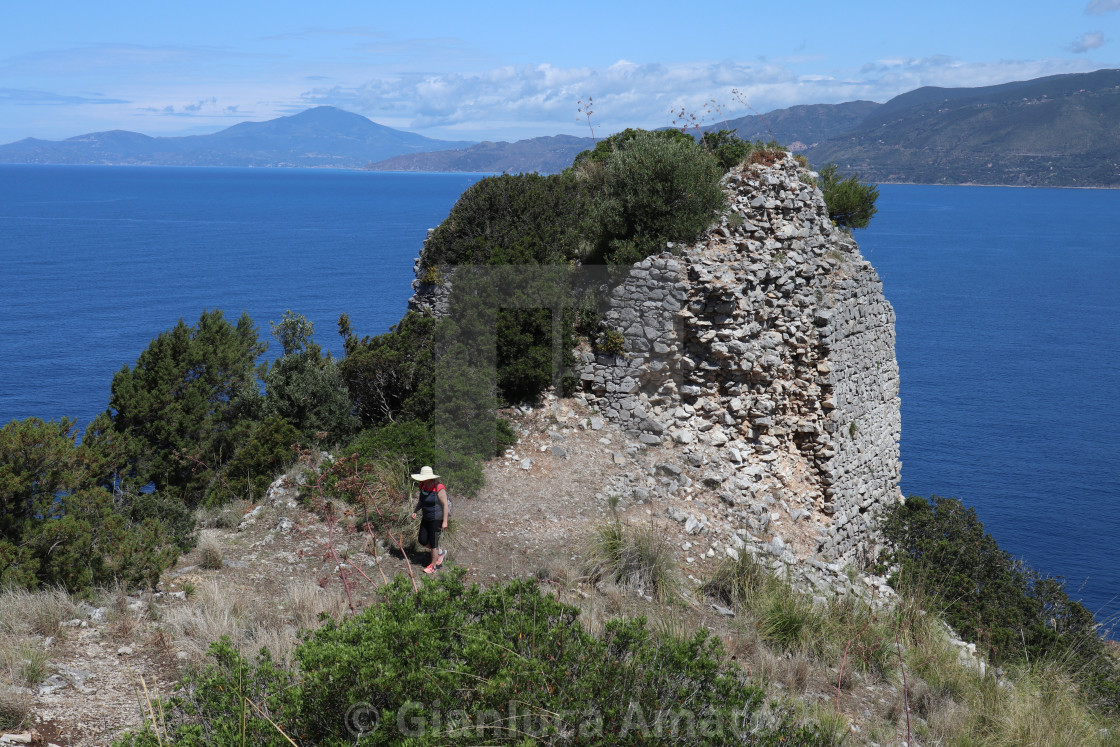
[
  {"x": 761, "y": 361},
  {"x": 765, "y": 353}
]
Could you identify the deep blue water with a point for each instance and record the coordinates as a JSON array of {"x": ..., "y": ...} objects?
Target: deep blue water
[
  {"x": 1009, "y": 352},
  {"x": 97, "y": 261},
  {"x": 1008, "y": 315}
]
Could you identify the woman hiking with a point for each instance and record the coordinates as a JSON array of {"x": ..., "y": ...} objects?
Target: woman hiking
[{"x": 433, "y": 506}]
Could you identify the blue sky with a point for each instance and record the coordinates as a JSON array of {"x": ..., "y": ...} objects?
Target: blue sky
[{"x": 508, "y": 70}]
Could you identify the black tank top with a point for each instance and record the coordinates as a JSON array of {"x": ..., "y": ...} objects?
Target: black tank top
[{"x": 429, "y": 503}]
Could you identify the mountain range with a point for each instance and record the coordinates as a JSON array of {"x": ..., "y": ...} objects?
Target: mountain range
[
  {"x": 1061, "y": 130},
  {"x": 320, "y": 137},
  {"x": 1058, "y": 131}
]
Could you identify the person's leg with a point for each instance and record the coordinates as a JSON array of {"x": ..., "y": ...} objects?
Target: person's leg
[{"x": 431, "y": 533}]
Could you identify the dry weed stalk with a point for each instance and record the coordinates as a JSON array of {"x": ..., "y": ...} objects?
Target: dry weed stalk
[
  {"x": 844, "y": 658},
  {"x": 741, "y": 97},
  {"x": 905, "y": 684},
  {"x": 368, "y": 487},
  {"x": 684, "y": 120},
  {"x": 585, "y": 108}
]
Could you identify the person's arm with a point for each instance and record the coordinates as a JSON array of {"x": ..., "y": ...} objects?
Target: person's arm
[
  {"x": 442, "y": 495},
  {"x": 416, "y": 507}
]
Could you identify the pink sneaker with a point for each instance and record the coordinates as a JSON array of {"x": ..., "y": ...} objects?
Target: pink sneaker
[
  {"x": 439, "y": 561},
  {"x": 430, "y": 569}
]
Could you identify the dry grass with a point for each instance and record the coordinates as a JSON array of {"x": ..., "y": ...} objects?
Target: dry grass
[
  {"x": 22, "y": 663},
  {"x": 42, "y": 612},
  {"x": 228, "y": 516},
  {"x": 784, "y": 640},
  {"x": 218, "y": 610},
  {"x": 210, "y": 554},
  {"x": 638, "y": 559},
  {"x": 15, "y": 709},
  {"x": 1042, "y": 708}
]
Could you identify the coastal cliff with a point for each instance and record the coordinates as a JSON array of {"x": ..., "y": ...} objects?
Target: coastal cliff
[
  {"x": 759, "y": 362},
  {"x": 765, "y": 353}
]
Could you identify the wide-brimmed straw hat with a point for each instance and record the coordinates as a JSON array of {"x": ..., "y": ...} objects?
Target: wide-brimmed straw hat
[{"x": 425, "y": 475}]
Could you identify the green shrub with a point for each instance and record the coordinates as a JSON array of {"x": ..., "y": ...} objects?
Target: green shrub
[
  {"x": 851, "y": 203},
  {"x": 1010, "y": 611},
  {"x": 650, "y": 190},
  {"x": 186, "y": 405},
  {"x": 60, "y": 526},
  {"x": 515, "y": 219},
  {"x": 455, "y": 664},
  {"x": 304, "y": 388},
  {"x": 636, "y": 558},
  {"x": 389, "y": 376},
  {"x": 726, "y": 147},
  {"x": 410, "y": 440},
  {"x": 611, "y": 342},
  {"x": 605, "y": 149},
  {"x": 267, "y": 450}
]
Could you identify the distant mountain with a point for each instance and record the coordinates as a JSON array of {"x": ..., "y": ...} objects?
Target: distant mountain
[
  {"x": 546, "y": 155},
  {"x": 323, "y": 136},
  {"x": 801, "y": 127},
  {"x": 1061, "y": 131}
]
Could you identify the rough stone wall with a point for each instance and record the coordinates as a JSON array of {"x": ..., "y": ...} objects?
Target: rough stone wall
[
  {"x": 431, "y": 299},
  {"x": 765, "y": 353},
  {"x": 762, "y": 359}
]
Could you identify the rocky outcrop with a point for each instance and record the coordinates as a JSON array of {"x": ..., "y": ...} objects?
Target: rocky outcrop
[
  {"x": 764, "y": 354},
  {"x": 428, "y": 297},
  {"x": 762, "y": 359}
]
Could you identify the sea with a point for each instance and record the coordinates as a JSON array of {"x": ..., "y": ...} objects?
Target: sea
[{"x": 1007, "y": 303}]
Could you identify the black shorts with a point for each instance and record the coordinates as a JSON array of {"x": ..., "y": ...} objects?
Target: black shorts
[{"x": 429, "y": 533}]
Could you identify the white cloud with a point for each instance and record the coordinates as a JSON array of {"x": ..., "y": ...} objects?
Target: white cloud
[
  {"x": 1100, "y": 7},
  {"x": 510, "y": 102},
  {"x": 1088, "y": 42}
]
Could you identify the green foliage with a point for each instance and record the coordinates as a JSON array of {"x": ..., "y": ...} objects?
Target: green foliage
[
  {"x": 455, "y": 664},
  {"x": 651, "y": 189},
  {"x": 522, "y": 219},
  {"x": 726, "y": 147},
  {"x": 294, "y": 333},
  {"x": 635, "y": 558},
  {"x": 60, "y": 526},
  {"x": 411, "y": 440},
  {"x": 305, "y": 389},
  {"x": 605, "y": 149},
  {"x": 389, "y": 376},
  {"x": 267, "y": 450},
  {"x": 1008, "y": 609},
  {"x": 185, "y": 407},
  {"x": 851, "y": 203},
  {"x": 611, "y": 341},
  {"x": 524, "y": 353},
  {"x": 395, "y": 379}
]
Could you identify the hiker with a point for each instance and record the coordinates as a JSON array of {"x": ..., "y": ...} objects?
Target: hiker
[{"x": 433, "y": 503}]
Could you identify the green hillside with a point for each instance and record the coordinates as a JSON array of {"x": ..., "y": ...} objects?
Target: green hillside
[{"x": 1059, "y": 131}]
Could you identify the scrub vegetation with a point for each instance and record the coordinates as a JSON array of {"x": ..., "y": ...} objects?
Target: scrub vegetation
[{"x": 197, "y": 429}]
